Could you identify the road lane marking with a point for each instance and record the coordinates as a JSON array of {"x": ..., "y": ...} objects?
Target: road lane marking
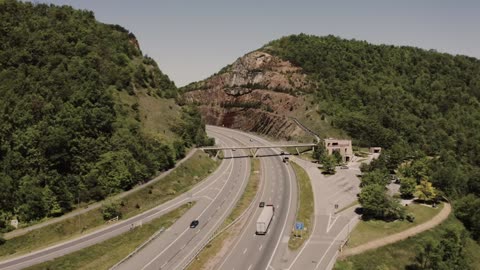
[
  {"x": 165, "y": 249},
  {"x": 260, "y": 248},
  {"x": 156, "y": 257},
  {"x": 264, "y": 190},
  {"x": 333, "y": 242},
  {"x": 245, "y": 179},
  {"x": 250, "y": 267},
  {"x": 245, "y": 250},
  {"x": 329, "y": 226}
]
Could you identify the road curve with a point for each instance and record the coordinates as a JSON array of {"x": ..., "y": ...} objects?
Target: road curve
[
  {"x": 114, "y": 229},
  {"x": 179, "y": 244},
  {"x": 251, "y": 251}
]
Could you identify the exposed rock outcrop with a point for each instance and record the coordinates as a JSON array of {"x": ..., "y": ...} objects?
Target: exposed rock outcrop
[{"x": 255, "y": 93}]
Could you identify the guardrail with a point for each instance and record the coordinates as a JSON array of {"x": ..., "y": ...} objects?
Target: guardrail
[
  {"x": 306, "y": 129},
  {"x": 216, "y": 234}
]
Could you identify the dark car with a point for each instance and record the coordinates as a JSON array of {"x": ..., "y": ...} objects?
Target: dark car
[
  {"x": 286, "y": 159},
  {"x": 262, "y": 204},
  {"x": 282, "y": 153},
  {"x": 194, "y": 224}
]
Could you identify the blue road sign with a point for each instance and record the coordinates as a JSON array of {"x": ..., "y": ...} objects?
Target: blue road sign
[{"x": 299, "y": 225}]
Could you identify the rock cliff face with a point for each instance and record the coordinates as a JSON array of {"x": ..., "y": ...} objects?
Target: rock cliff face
[{"x": 255, "y": 93}]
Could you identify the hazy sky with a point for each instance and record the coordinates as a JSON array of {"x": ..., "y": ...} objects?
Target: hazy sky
[{"x": 191, "y": 40}]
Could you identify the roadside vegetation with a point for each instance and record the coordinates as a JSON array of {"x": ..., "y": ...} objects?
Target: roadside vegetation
[
  {"x": 369, "y": 230},
  {"x": 446, "y": 247},
  {"x": 305, "y": 211},
  {"x": 106, "y": 254},
  {"x": 421, "y": 106},
  {"x": 212, "y": 248},
  {"x": 74, "y": 127},
  {"x": 178, "y": 181}
]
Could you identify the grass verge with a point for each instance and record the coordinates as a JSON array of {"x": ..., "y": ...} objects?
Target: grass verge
[
  {"x": 178, "y": 181},
  {"x": 215, "y": 246},
  {"x": 105, "y": 254},
  {"x": 370, "y": 230},
  {"x": 305, "y": 208},
  {"x": 399, "y": 255}
]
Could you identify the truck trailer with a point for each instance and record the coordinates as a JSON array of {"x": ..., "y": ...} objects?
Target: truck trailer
[{"x": 265, "y": 219}]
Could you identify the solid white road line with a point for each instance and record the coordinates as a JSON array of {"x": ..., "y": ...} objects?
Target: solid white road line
[{"x": 174, "y": 241}]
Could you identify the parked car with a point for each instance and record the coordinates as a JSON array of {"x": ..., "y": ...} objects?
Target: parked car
[
  {"x": 194, "y": 224},
  {"x": 344, "y": 167},
  {"x": 262, "y": 204}
]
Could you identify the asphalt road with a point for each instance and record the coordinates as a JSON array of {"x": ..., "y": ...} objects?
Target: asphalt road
[
  {"x": 251, "y": 251},
  {"x": 200, "y": 192},
  {"x": 330, "y": 230},
  {"x": 179, "y": 244}
]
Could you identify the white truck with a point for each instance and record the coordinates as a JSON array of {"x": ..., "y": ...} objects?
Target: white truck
[{"x": 265, "y": 218}]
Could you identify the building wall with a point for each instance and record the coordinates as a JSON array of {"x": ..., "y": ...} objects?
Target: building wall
[{"x": 344, "y": 147}]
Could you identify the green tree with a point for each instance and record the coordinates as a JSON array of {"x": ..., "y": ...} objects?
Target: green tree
[
  {"x": 329, "y": 164},
  {"x": 376, "y": 203},
  {"x": 337, "y": 157},
  {"x": 448, "y": 253},
  {"x": 425, "y": 191},
  {"x": 377, "y": 177},
  {"x": 319, "y": 151},
  {"x": 407, "y": 187}
]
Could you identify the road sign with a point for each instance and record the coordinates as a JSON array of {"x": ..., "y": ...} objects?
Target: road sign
[{"x": 299, "y": 225}]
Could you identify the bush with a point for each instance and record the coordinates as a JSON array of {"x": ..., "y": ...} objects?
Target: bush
[
  {"x": 410, "y": 217},
  {"x": 2, "y": 240},
  {"x": 111, "y": 210}
]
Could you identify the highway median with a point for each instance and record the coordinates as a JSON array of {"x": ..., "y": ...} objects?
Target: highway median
[
  {"x": 204, "y": 259},
  {"x": 305, "y": 212}
]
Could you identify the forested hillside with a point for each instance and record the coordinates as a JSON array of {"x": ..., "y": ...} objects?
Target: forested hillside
[
  {"x": 65, "y": 136},
  {"x": 413, "y": 102}
]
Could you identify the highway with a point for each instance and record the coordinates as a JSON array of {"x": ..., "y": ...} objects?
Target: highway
[
  {"x": 231, "y": 171},
  {"x": 179, "y": 244},
  {"x": 251, "y": 251}
]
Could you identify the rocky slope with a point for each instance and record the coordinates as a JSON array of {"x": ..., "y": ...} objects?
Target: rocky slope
[{"x": 258, "y": 93}]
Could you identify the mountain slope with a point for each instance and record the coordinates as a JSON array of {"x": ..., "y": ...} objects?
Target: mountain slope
[
  {"x": 73, "y": 113},
  {"x": 412, "y": 102}
]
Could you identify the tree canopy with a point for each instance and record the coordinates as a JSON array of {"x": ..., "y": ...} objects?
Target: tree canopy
[{"x": 64, "y": 138}]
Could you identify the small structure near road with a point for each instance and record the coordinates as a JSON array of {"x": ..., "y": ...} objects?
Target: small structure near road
[
  {"x": 344, "y": 147},
  {"x": 375, "y": 150}
]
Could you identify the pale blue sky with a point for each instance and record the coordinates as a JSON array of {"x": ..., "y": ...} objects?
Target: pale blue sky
[{"x": 191, "y": 40}]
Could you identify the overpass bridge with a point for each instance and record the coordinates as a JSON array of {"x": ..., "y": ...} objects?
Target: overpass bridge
[{"x": 254, "y": 148}]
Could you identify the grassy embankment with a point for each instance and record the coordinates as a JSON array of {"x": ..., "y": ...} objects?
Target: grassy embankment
[
  {"x": 305, "y": 212},
  {"x": 399, "y": 255},
  {"x": 178, "y": 181},
  {"x": 370, "y": 230},
  {"x": 214, "y": 247},
  {"x": 105, "y": 254}
]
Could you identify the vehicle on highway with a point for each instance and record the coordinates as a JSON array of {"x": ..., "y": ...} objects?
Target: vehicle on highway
[
  {"x": 264, "y": 220},
  {"x": 194, "y": 224},
  {"x": 286, "y": 159},
  {"x": 262, "y": 204},
  {"x": 344, "y": 167},
  {"x": 282, "y": 153}
]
